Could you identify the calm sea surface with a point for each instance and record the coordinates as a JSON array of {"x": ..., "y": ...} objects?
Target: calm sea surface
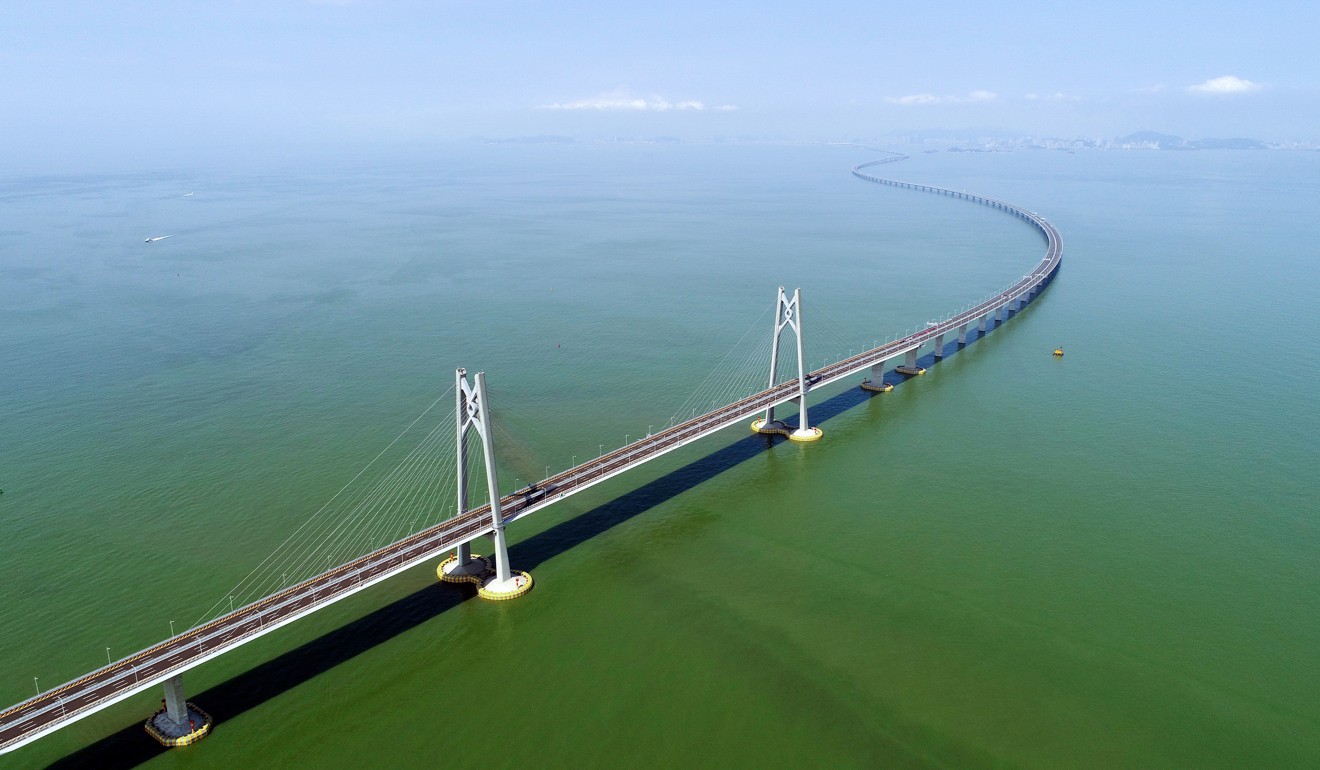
[{"x": 1108, "y": 560}]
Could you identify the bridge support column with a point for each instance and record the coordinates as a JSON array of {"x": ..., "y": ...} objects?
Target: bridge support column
[
  {"x": 176, "y": 706},
  {"x": 474, "y": 415},
  {"x": 939, "y": 346},
  {"x": 962, "y": 335},
  {"x": 909, "y": 366},
  {"x": 788, "y": 313},
  {"x": 980, "y": 327},
  {"x": 179, "y": 722},
  {"x": 876, "y": 382}
]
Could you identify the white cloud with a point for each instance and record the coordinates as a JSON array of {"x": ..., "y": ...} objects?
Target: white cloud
[
  {"x": 1228, "y": 84},
  {"x": 974, "y": 96},
  {"x": 915, "y": 99},
  {"x": 727, "y": 108},
  {"x": 621, "y": 100}
]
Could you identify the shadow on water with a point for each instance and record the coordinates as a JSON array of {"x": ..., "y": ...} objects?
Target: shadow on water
[{"x": 130, "y": 746}]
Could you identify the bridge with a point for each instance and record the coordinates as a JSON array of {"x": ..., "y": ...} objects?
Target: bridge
[{"x": 180, "y": 722}]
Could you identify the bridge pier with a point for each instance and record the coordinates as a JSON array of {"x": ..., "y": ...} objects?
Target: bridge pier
[
  {"x": 178, "y": 723},
  {"x": 980, "y": 327},
  {"x": 176, "y": 706},
  {"x": 962, "y": 335},
  {"x": 909, "y": 366},
  {"x": 939, "y": 346},
  {"x": 876, "y": 382}
]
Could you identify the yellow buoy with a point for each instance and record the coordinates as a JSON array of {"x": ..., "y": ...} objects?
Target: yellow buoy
[{"x": 1058, "y": 352}]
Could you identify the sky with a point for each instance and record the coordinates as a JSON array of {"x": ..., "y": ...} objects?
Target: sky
[{"x": 96, "y": 83}]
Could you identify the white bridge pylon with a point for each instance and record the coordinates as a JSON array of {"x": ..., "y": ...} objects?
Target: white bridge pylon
[
  {"x": 473, "y": 414},
  {"x": 788, "y": 314}
]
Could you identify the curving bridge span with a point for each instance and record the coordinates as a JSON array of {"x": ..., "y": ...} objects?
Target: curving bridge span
[{"x": 165, "y": 662}]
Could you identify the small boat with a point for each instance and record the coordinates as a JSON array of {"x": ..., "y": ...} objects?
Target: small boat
[{"x": 155, "y": 238}]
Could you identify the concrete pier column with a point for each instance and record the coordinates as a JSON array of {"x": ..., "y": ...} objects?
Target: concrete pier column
[
  {"x": 909, "y": 366},
  {"x": 179, "y": 723},
  {"x": 962, "y": 335},
  {"x": 876, "y": 382},
  {"x": 176, "y": 706},
  {"x": 981, "y": 326},
  {"x": 939, "y": 346}
]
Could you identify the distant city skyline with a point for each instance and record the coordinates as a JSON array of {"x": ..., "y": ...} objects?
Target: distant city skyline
[{"x": 145, "y": 84}]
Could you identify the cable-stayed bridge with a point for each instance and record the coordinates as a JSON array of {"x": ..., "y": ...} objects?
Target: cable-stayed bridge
[{"x": 338, "y": 552}]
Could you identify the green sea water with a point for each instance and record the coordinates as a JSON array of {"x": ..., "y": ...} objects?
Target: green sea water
[{"x": 1108, "y": 560}]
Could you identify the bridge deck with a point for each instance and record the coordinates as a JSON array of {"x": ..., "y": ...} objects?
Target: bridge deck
[{"x": 55, "y": 708}]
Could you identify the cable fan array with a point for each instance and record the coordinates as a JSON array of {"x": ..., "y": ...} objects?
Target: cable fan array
[{"x": 379, "y": 505}]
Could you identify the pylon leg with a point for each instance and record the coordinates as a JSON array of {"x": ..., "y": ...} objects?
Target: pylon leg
[{"x": 505, "y": 583}]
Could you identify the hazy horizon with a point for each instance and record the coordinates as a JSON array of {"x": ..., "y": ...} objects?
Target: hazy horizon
[{"x": 158, "y": 84}]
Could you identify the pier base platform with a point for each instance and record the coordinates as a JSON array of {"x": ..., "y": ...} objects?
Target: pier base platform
[
  {"x": 481, "y": 572},
  {"x": 170, "y": 733},
  {"x": 475, "y": 571},
  {"x": 883, "y": 387},
  {"x": 810, "y": 434},
  {"x": 518, "y": 584},
  {"x": 911, "y": 371},
  {"x": 794, "y": 434}
]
